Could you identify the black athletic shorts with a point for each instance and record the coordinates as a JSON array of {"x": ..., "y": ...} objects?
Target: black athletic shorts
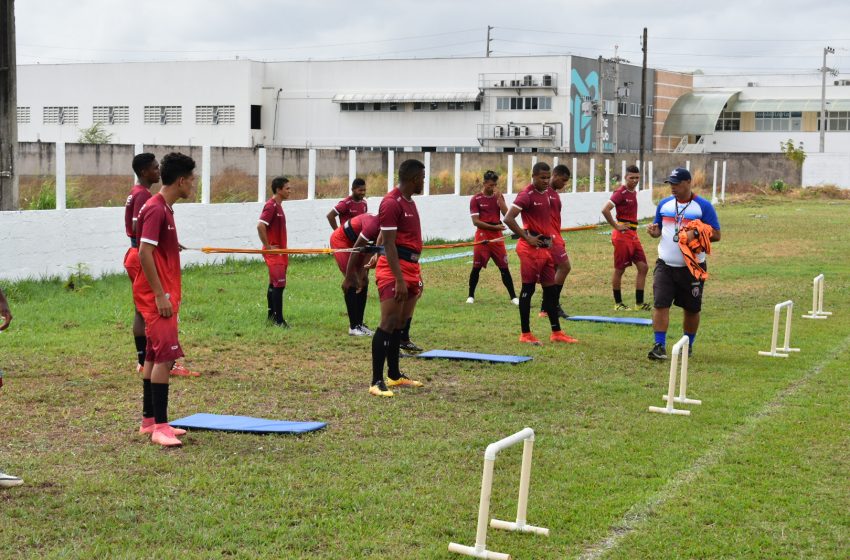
[{"x": 675, "y": 285}]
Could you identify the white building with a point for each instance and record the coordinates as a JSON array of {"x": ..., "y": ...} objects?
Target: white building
[
  {"x": 529, "y": 103},
  {"x": 758, "y": 113}
]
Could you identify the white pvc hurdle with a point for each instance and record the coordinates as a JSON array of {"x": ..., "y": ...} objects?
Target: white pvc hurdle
[
  {"x": 817, "y": 311},
  {"x": 781, "y": 352},
  {"x": 680, "y": 350},
  {"x": 480, "y": 549}
]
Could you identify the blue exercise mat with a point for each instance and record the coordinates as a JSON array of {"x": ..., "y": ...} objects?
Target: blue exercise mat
[
  {"x": 245, "y": 424},
  {"x": 621, "y": 320},
  {"x": 454, "y": 355}
]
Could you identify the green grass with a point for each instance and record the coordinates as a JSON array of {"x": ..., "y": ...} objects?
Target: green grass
[{"x": 760, "y": 470}]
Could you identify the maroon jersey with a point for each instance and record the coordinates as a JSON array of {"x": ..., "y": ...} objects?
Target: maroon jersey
[
  {"x": 365, "y": 226},
  {"x": 347, "y": 208},
  {"x": 138, "y": 196},
  {"x": 486, "y": 208},
  {"x": 536, "y": 212},
  {"x": 275, "y": 220},
  {"x": 625, "y": 203},
  {"x": 555, "y": 208},
  {"x": 156, "y": 227},
  {"x": 399, "y": 214}
]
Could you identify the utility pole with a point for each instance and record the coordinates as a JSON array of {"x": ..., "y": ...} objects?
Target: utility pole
[
  {"x": 643, "y": 101},
  {"x": 8, "y": 108},
  {"x": 834, "y": 72},
  {"x": 489, "y": 52},
  {"x": 620, "y": 92},
  {"x": 600, "y": 111}
]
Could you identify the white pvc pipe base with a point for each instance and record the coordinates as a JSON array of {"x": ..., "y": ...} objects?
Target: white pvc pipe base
[
  {"x": 475, "y": 553},
  {"x": 772, "y": 354},
  {"x": 683, "y": 400},
  {"x": 816, "y": 315},
  {"x": 666, "y": 410},
  {"x": 513, "y": 526}
]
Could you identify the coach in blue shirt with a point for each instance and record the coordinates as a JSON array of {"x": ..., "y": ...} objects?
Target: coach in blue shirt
[{"x": 673, "y": 283}]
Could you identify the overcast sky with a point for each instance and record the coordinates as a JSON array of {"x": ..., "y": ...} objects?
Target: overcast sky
[{"x": 717, "y": 37}]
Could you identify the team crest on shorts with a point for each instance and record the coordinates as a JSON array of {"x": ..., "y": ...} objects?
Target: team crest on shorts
[{"x": 695, "y": 291}]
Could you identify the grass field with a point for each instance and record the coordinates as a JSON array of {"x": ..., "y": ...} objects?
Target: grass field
[{"x": 760, "y": 470}]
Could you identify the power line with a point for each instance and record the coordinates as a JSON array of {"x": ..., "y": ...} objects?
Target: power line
[
  {"x": 299, "y": 47},
  {"x": 679, "y": 39}
]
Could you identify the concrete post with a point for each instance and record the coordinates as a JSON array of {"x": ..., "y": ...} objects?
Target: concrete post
[
  {"x": 261, "y": 175},
  {"x": 510, "y": 174},
  {"x": 575, "y": 174},
  {"x": 139, "y": 149},
  {"x": 457, "y": 174},
  {"x": 206, "y": 175},
  {"x": 311, "y": 174},
  {"x": 390, "y": 170},
  {"x": 352, "y": 166},
  {"x": 427, "y": 190},
  {"x": 607, "y": 175},
  {"x": 592, "y": 174},
  {"x": 61, "y": 184}
]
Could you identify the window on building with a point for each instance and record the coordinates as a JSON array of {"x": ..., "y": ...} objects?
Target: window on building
[
  {"x": 838, "y": 120},
  {"x": 111, "y": 114},
  {"x": 650, "y": 111},
  {"x": 60, "y": 115},
  {"x": 163, "y": 114},
  {"x": 215, "y": 114},
  {"x": 256, "y": 112},
  {"x": 24, "y": 115},
  {"x": 454, "y": 106},
  {"x": 728, "y": 120},
  {"x": 778, "y": 120},
  {"x": 521, "y": 104},
  {"x": 622, "y": 108},
  {"x": 634, "y": 109}
]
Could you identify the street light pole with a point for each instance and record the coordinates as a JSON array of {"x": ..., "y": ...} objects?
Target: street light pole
[{"x": 824, "y": 70}]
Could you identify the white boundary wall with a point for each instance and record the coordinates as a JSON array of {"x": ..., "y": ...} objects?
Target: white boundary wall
[
  {"x": 827, "y": 169},
  {"x": 45, "y": 243}
]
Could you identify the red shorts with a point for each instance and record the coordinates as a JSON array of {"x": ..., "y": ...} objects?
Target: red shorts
[
  {"x": 558, "y": 250},
  {"x": 535, "y": 264},
  {"x": 340, "y": 241},
  {"x": 482, "y": 253},
  {"x": 277, "y": 269},
  {"x": 161, "y": 332},
  {"x": 627, "y": 249},
  {"x": 132, "y": 264},
  {"x": 386, "y": 280}
]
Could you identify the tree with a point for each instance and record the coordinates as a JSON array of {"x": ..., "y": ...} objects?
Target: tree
[{"x": 95, "y": 134}]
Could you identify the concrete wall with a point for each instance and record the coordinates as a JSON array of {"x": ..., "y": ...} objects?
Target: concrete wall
[
  {"x": 754, "y": 142},
  {"x": 827, "y": 169},
  {"x": 35, "y": 244}
]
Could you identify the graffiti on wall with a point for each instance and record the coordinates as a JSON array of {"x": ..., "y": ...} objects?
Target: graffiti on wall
[{"x": 583, "y": 89}]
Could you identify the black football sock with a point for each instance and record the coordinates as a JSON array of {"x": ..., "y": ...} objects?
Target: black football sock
[
  {"x": 159, "y": 400},
  {"x": 474, "y": 275},
  {"x": 525, "y": 294},
  {"x": 618, "y": 296},
  {"x": 405, "y": 331},
  {"x": 351, "y": 305},
  {"x": 362, "y": 299},
  {"x": 639, "y": 297},
  {"x": 393, "y": 371},
  {"x": 550, "y": 303},
  {"x": 508, "y": 281},
  {"x": 380, "y": 341},
  {"x": 270, "y": 301},
  {"x": 141, "y": 348},
  {"x": 277, "y": 302},
  {"x": 147, "y": 399}
]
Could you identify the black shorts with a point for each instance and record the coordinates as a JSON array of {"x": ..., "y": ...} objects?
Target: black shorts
[{"x": 675, "y": 285}]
